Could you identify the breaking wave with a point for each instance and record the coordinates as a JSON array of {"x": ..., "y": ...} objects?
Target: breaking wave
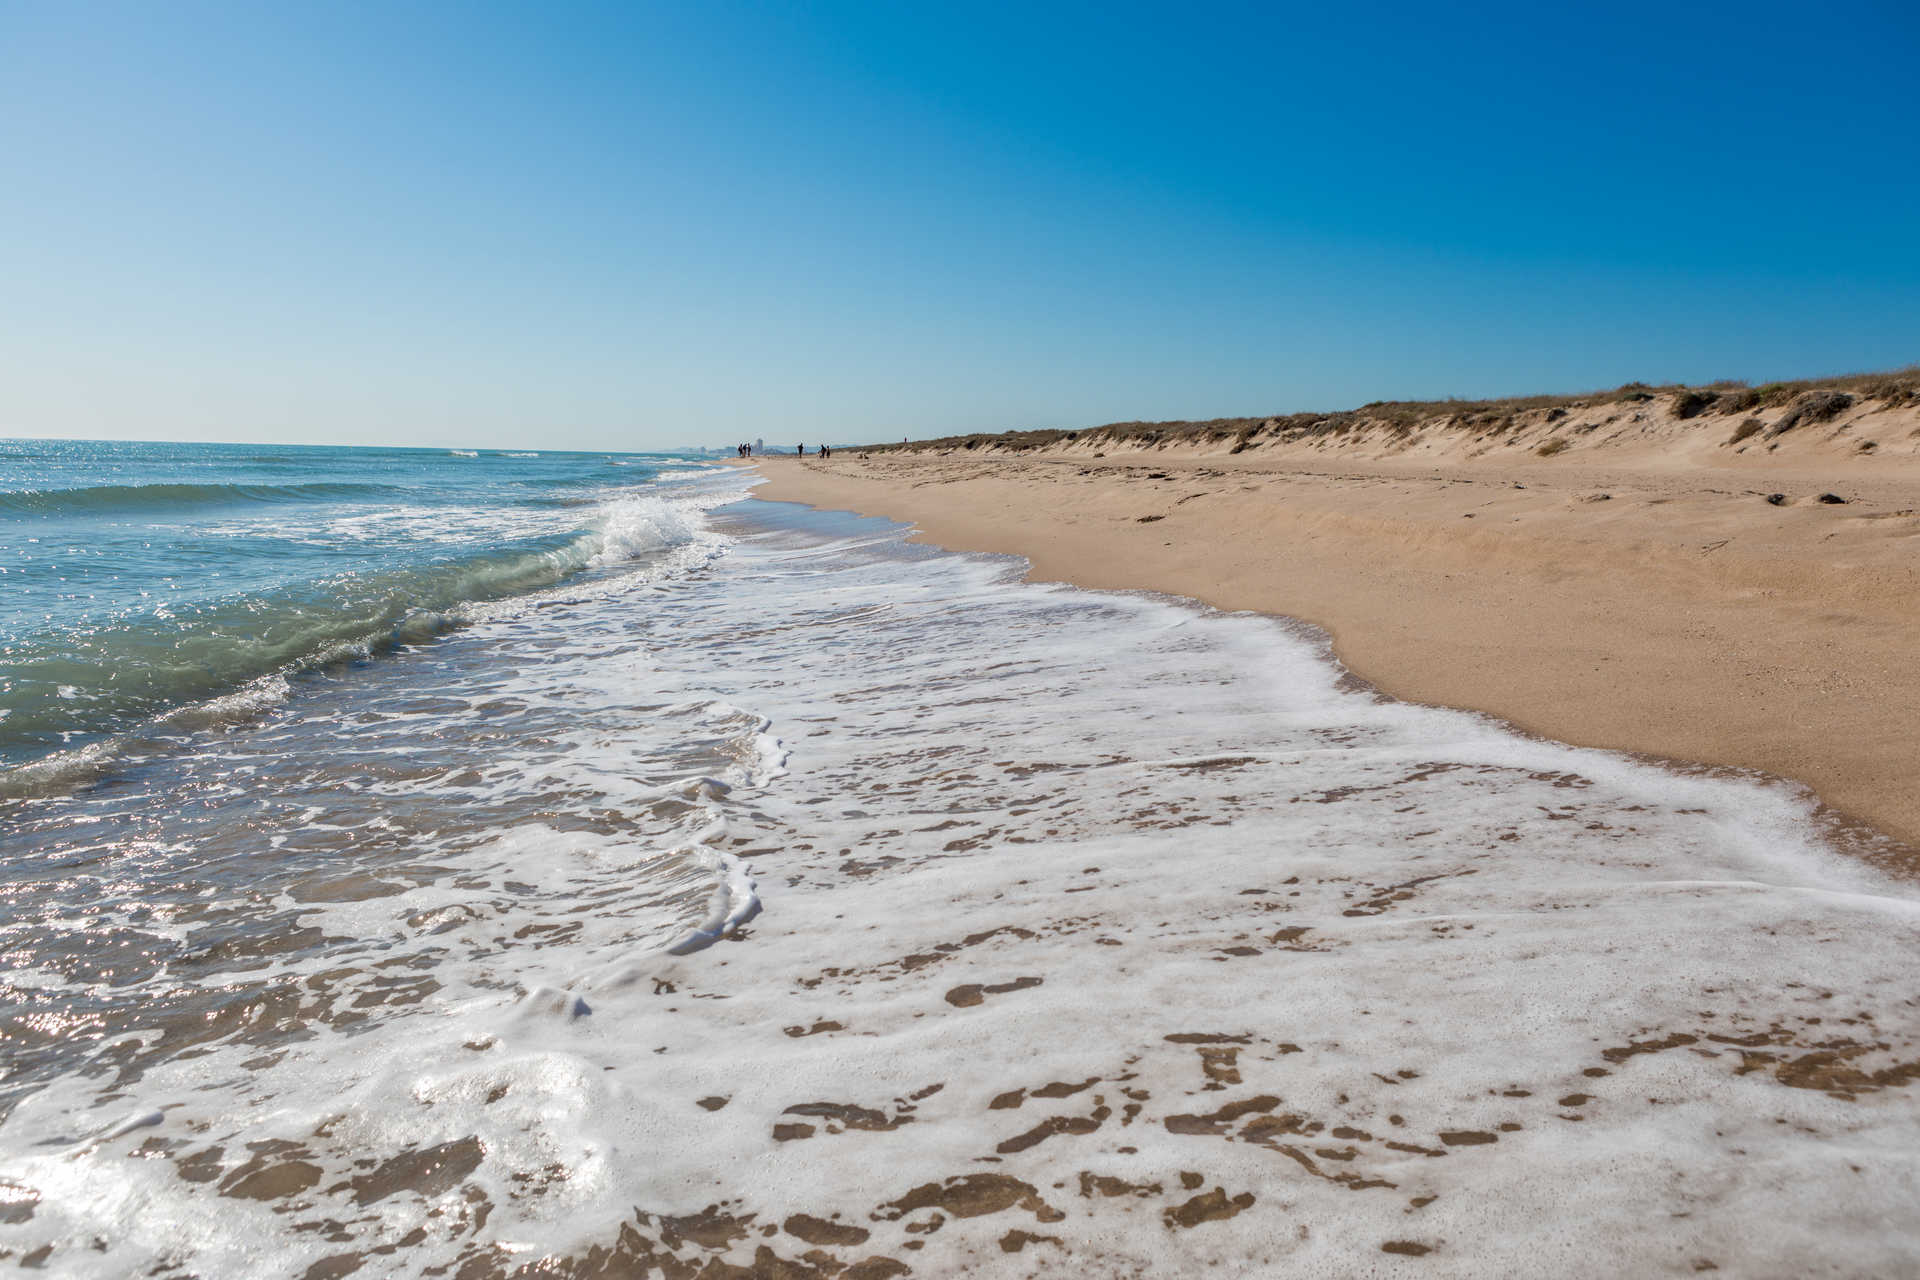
[{"x": 190, "y": 666}]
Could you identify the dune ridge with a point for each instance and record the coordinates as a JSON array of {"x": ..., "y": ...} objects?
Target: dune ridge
[{"x": 1848, "y": 417}]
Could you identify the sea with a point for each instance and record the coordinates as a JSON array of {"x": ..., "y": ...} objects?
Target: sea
[{"x": 537, "y": 863}]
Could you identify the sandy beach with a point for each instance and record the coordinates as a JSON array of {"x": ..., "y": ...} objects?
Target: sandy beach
[
  {"x": 1652, "y": 589},
  {"x": 471, "y": 810}
]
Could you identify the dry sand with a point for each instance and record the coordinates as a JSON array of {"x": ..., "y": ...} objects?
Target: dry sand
[{"x": 1637, "y": 591}]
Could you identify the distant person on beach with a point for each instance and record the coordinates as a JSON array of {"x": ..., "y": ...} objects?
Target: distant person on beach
[{"x": 801, "y": 450}]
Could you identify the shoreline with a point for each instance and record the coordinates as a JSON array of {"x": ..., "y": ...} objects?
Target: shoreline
[
  {"x": 1103, "y": 933},
  {"x": 1682, "y": 616}
]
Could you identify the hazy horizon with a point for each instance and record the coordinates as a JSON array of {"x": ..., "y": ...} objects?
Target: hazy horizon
[{"x": 596, "y": 227}]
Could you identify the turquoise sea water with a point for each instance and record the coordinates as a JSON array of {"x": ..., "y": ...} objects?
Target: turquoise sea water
[{"x": 141, "y": 580}]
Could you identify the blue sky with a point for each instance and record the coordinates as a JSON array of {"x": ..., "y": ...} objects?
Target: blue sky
[{"x": 633, "y": 225}]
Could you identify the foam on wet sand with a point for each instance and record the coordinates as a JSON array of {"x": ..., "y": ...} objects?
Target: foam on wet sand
[{"x": 1099, "y": 933}]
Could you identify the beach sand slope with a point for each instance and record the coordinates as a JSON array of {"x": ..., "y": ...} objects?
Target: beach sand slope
[{"x": 1655, "y": 587}]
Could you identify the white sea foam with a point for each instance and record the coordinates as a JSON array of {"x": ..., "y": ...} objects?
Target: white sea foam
[
  {"x": 1098, "y": 935},
  {"x": 634, "y": 526},
  {"x": 734, "y": 901}
]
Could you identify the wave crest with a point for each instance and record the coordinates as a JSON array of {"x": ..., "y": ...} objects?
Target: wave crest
[
  {"x": 633, "y": 527},
  {"x": 188, "y": 669}
]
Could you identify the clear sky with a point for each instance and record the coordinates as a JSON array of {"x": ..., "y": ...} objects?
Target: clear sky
[{"x": 634, "y": 225}]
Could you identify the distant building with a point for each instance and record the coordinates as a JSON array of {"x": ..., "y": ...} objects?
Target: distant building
[{"x": 760, "y": 446}]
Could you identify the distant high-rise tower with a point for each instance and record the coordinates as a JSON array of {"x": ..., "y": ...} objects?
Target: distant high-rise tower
[{"x": 760, "y": 446}]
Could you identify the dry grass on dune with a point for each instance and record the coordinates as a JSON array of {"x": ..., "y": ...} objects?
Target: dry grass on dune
[{"x": 1798, "y": 403}]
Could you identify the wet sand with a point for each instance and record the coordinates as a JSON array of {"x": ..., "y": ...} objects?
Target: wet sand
[{"x": 1641, "y": 598}]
